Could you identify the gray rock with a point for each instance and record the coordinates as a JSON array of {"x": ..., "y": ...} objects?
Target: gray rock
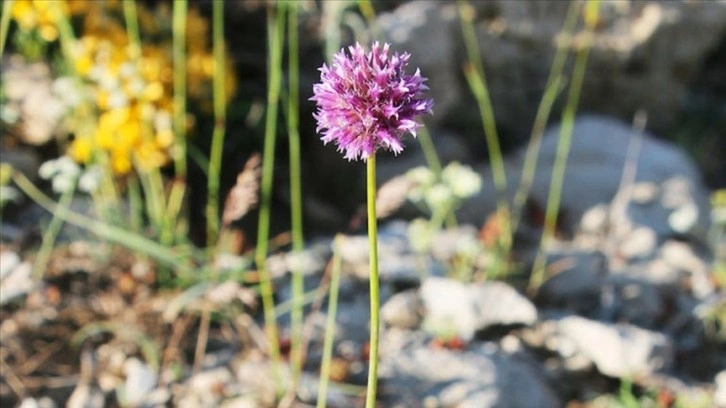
[
  {"x": 719, "y": 395},
  {"x": 403, "y": 310},
  {"x": 681, "y": 257},
  {"x": 16, "y": 283},
  {"x": 141, "y": 379},
  {"x": 575, "y": 280},
  {"x": 593, "y": 177},
  {"x": 644, "y": 56},
  {"x": 422, "y": 376},
  {"x": 9, "y": 260},
  {"x": 453, "y": 308},
  {"x": 497, "y": 303},
  {"x": 618, "y": 350}
]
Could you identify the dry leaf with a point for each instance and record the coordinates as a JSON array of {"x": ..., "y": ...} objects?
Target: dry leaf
[{"x": 243, "y": 196}]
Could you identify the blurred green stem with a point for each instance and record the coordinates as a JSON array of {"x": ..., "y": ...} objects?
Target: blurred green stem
[
  {"x": 5, "y": 25},
  {"x": 330, "y": 324},
  {"x": 552, "y": 89},
  {"x": 51, "y": 233},
  {"x": 293, "y": 114},
  {"x": 132, "y": 27},
  {"x": 563, "y": 146},
  {"x": 179, "y": 59},
  {"x": 276, "y": 27},
  {"x": 220, "y": 118},
  {"x": 474, "y": 72},
  {"x": 374, "y": 284}
]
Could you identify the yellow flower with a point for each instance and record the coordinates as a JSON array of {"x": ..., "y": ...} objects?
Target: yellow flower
[
  {"x": 81, "y": 149},
  {"x": 39, "y": 14}
]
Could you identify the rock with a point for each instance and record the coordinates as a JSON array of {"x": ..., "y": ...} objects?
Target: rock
[
  {"x": 644, "y": 56},
  {"x": 206, "y": 388},
  {"x": 593, "y": 178},
  {"x": 639, "y": 243},
  {"x": 141, "y": 379},
  {"x": 681, "y": 257},
  {"x": 453, "y": 308},
  {"x": 719, "y": 395},
  {"x": 480, "y": 377},
  {"x": 9, "y": 260},
  {"x": 575, "y": 280},
  {"x": 496, "y": 303},
  {"x": 29, "y": 91},
  {"x": 16, "y": 283},
  {"x": 403, "y": 310},
  {"x": 43, "y": 402},
  {"x": 618, "y": 350}
]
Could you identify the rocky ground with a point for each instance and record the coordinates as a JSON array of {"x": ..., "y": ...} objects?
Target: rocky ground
[{"x": 630, "y": 295}]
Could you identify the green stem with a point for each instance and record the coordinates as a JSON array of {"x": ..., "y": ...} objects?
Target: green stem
[
  {"x": 276, "y": 27},
  {"x": 51, "y": 233},
  {"x": 132, "y": 27},
  {"x": 563, "y": 148},
  {"x": 474, "y": 72},
  {"x": 330, "y": 324},
  {"x": 293, "y": 113},
  {"x": 179, "y": 59},
  {"x": 552, "y": 89},
  {"x": 5, "y": 25},
  {"x": 215, "y": 160},
  {"x": 374, "y": 289}
]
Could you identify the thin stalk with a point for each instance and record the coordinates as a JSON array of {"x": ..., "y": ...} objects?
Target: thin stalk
[
  {"x": 293, "y": 114},
  {"x": 136, "y": 205},
  {"x": 132, "y": 27},
  {"x": 5, "y": 25},
  {"x": 108, "y": 232},
  {"x": 429, "y": 151},
  {"x": 276, "y": 27},
  {"x": 552, "y": 90},
  {"x": 330, "y": 324},
  {"x": 179, "y": 60},
  {"x": 374, "y": 284},
  {"x": 51, "y": 233},
  {"x": 220, "y": 118},
  {"x": 563, "y": 147},
  {"x": 474, "y": 72}
]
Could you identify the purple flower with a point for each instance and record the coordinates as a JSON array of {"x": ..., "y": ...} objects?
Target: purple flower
[{"x": 366, "y": 101}]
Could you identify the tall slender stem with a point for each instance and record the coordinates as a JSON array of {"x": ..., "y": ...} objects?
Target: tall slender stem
[
  {"x": 5, "y": 25},
  {"x": 293, "y": 113},
  {"x": 474, "y": 72},
  {"x": 374, "y": 284},
  {"x": 276, "y": 27},
  {"x": 220, "y": 118},
  {"x": 179, "y": 28},
  {"x": 563, "y": 146},
  {"x": 552, "y": 90},
  {"x": 330, "y": 324}
]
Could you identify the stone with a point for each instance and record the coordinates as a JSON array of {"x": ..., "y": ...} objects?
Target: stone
[
  {"x": 18, "y": 282},
  {"x": 496, "y": 303},
  {"x": 719, "y": 395},
  {"x": 403, "y": 310},
  {"x": 644, "y": 56},
  {"x": 593, "y": 177},
  {"x": 479, "y": 377},
  {"x": 618, "y": 350},
  {"x": 141, "y": 379},
  {"x": 454, "y": 308},
  {"x": 575, "y": 280}
]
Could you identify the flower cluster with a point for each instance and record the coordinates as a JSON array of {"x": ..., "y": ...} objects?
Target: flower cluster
[
  {"x": 124, "y": 119},
  {"x": 367, "y": 101}
]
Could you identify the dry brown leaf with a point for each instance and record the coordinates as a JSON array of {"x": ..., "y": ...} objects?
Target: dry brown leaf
[{"x": 243, "y": 196}]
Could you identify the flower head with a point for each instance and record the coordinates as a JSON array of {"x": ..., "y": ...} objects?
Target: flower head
[{"x": 366, "y": 101}]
